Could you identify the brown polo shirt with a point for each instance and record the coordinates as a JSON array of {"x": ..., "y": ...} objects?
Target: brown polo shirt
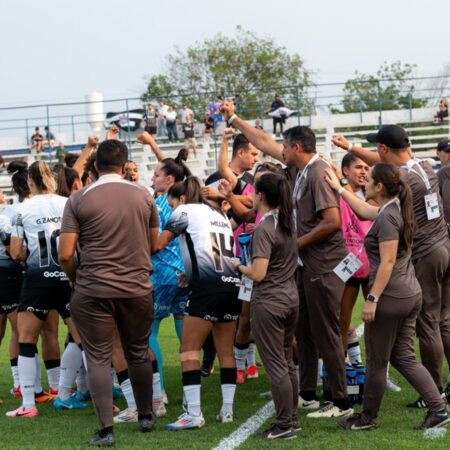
[
  {"x": 112, "y": 218},
  {"x": 444, "y": 186},
  {"x": 315, "y": 196}
]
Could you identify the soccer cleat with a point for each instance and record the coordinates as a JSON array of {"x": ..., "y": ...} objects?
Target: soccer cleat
[
  {"x": 330, "y": 410},
  {"x": 22, "y": 412},
  {"x": 392, "y": 386},
  {"x": 357, "y": 422},
  {"x": 435, "y": 420},
  {"x": 159, "y": 408},
  {"x": 308, "y": 404},
  {"x": 53, "y": 392},
  {"x": 252, "y": 372},
  {"x": 69, "y": 403},
  {"x": 275, "y": 432},
  {"x": 117, "y": 392},
  {"x": 44, "y": 397},
  {"x": 82, "y": 396},
  {"x": 240, "y": 376},
  {"x": 207, "y": 368},
  {"x": 126, "y": 416},
  {"x": 224, "y": 418},
  {"x": 16, "y": 392},
  {"x": 186, "y": 422},
  {"x": 146, "y": 424},
  {"x": 98, "y": 440}
]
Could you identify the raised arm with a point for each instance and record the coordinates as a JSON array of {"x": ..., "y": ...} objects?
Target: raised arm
[
  {"x": 369, "y": 157},
  {"x": 80, "y": 163},
  {"x": 147, "y": 139},
  {"x": 258, "y": 138},
  {"x": 224, "y": 168}
]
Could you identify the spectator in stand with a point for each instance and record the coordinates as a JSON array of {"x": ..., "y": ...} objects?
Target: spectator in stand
[
  {"x": 443, "y": 111},
  {"x": 186, "y": 113},
  {"x": 49, "y": 139},
  {"x": 277, "y": 103},
  {"x": 161, "y": 122},
  {"x": 151, "y": 118},
  {"x": 37, "y": 141},
  {"x": 61, "y": 152},
  {"x": 2, "y": 163},
  {"x": 171, "y": 124},
  {"x": 189, "y": 135}
]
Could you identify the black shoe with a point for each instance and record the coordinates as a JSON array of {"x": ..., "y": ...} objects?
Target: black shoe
[
  {"x": 102, "y": 440},
  {"x": 447, "y": 392},
  {"x": 357, "y": 422},
  {"x": 207, "y": 368},
  {"x": 146, "y": 423},
  {"x": 434, "y": 420},
  {"x": 275, "y": 432},
  {"x": 419, "y": 403}
]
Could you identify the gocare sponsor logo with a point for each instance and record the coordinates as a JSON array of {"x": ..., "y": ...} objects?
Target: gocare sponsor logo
[
  {"x": 230, "y": 279},
  {"x": 55, "y": 274}
]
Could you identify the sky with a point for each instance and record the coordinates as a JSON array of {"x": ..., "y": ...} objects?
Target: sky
[{"x": 60, "y": 50}]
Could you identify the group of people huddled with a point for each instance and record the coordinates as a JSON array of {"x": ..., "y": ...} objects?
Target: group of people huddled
[{"x": 273, "y": 256}]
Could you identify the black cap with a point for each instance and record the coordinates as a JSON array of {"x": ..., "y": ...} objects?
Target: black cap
[
  {"x": 392, "y": 136},
  {"x": 444, "y": 146}
]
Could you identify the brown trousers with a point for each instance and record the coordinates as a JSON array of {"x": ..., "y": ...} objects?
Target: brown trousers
[
  {"x": 273, "y": 329},
  {"x": 391, "y": 338},
  {"x": 96, "y": 320},
  {"x": 319, "y": 332},
  {"x": 433, "y": 323}
]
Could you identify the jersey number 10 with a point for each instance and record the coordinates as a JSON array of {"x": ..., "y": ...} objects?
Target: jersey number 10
[{"x": 44, "y": 254}]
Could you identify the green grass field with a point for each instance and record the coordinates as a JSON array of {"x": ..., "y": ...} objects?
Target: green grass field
[{"x": 71, "y": 429}]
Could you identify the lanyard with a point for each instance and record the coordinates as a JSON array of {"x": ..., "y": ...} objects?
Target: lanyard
[
  {"x": 301, "y": 175},
  {"x": 272, "y": 212},
  {"x": 409, "y": 166}
]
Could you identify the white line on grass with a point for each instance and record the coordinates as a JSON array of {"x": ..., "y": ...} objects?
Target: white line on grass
[{"x": 240, "y": 435}]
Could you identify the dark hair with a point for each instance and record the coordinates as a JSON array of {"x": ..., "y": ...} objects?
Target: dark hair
[
  {"x": 389, "y": 176},
  {"x": 303, "y": 136},
  {"x": 177, "y": 167},
  {"x": 190, "y": 188},
  {"x": 270, "y": 167},
  {"x": 90, "y": 167},
  {"x": 348, "y": 160},
  {"x": 70, "y": 159},
  {"x": 65, "y": 180},
  {"x": 19, "y": 179},
  {"x": 240, "y": 142},
  {"x": 42, "y": 176},
  {"x": 111, "y": 155},
  {"x": 277, "y": 194}
]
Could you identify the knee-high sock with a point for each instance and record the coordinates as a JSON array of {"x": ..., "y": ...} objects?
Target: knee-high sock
[
  {"x": 157, "y": 391},
  {"x": 191, "y": 389},
  {"x": 81, "y": 380},
  {"x": 53, "y": 368},
  {"x": 251, "y": 354},
  {"x": 127, "y": 390},
  {"x": 228, "y": 386},
  {"x": 156, "y": 348},
  {"x": 15, "y": 371},
  {"x": 27, "y": 373},
  {"x": 70, "y": 365},
  {"x": 240, "y": 354},
  {"x": 38, "y": 381}
]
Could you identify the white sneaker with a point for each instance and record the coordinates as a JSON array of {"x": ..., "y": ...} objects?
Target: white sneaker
[
  {"x": 330, "y": 410},
  {"x": 127, "y": 415},
  {"x": 308, "y": 404},
  {"x": 159, "y": 408},
  {"x": 391, "y": 385},
  {"x": 225, "y": 418},
  {"x": 186, "y": 422}
]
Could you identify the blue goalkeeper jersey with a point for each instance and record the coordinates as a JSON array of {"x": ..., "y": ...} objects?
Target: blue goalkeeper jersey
[{"x": 168, "y": 261}]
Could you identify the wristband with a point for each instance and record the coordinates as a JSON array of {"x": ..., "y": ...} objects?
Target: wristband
[
  {"x": 232, "y": 118},
  {"x": 350, "y": 146},
  {"x": 341, "y": 190}
]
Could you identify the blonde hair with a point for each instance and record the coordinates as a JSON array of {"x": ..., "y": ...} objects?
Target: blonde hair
[{"x": 42, "y": 176}]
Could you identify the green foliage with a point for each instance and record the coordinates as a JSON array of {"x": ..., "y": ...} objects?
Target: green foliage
[
  {"x": 230, "y": 66},
  {"x": 390, "y": 88}
]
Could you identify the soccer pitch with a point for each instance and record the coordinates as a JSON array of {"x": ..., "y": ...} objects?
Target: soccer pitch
[{"x": 71, "y": 429}]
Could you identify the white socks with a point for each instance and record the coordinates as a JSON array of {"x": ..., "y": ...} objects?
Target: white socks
[
  {"x": 251, "y": 354},
  {"x": 70, "y": 364},
  {"x": 27, "y": 376},
  {"x": 127, "y": 391},
  {"x": 157, "y": 392},
  {"x": 228, "y": 391},
  {"x": 81, "y": 381},
  {"x": 192, "y": 397},
  {"x": 240, "y": 355}
]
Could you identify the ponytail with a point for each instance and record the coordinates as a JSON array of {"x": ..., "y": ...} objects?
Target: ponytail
[
  {"x": 19, "y": 179},
  {"x": 277, "y": 194},
  {"x": 190, "y": 188},
  {"x": 409, "y": 219},
  {"x": 66, "y": 179},
  {"x": 42, "y": 176}
]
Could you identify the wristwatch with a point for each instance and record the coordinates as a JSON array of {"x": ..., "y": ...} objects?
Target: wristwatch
[
  {"x": 343, "y": 181},
  {"x": 371, "y": 298}
]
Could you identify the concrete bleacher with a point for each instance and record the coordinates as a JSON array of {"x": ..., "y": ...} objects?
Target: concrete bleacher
[{"x": 424, "y": 136}]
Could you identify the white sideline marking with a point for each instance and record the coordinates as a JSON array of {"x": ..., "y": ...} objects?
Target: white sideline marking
[{"x": 240, "y": 435}]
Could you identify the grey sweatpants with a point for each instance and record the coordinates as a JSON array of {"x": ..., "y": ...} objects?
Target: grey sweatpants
[{"x": 96, "y": 320}]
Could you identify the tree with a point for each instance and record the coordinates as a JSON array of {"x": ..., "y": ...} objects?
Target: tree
[
  {"x": 390, "y": 88},
  {"x": 245, "y": 65}
]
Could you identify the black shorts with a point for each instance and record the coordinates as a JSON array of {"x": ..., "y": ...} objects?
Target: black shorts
[
  {"x": 214, "y": 307},
  {"x": 357, "y": 282},
  {"x": 10, "y": 285},
  {"x": 40, "y": 300}
]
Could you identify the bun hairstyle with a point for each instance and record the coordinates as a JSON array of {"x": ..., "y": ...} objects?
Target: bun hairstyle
[
  {"x": 176, "y": 166},
  {"x": 19, "y": 179},
  {"x": 42, "y": 176},
  {"x": 277, "y": 194},
  {"x": 389, "y": 176}
]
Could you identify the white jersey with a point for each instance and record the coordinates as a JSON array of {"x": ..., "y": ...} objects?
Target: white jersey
[
  {"x": 41, "y": 218},
  {"x": 5, "y": 231},
  {"x": 207, "y": 247}
]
